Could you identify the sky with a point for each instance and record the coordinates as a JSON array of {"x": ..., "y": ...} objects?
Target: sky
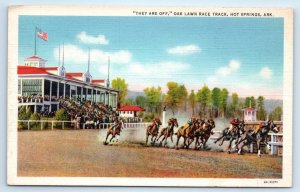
[{"x": 244, "y": 55}]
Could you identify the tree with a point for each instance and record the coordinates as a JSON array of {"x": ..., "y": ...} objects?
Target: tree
[
  {"x": 276, "y": 114},
  {"x": 192, "y": 101},
  {"x": 216, "y": 99},
  {"x": 250, "y": 102},
  {"x": 204, "y": 98},
  {"x": 153, "y": 98},
  {"x": 261, "y": 112},
  {"x": 233, "y": 107},
  {"x": 176, "y": 95},
  {"x": 223, "y": 104},
  {"x": 120, "y": 85},
  {"x": 141, "y": 101},
  {"x": 129, "y": 101}
]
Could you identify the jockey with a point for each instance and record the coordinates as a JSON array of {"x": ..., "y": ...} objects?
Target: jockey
[
  {"x": 115, "y": 123},
  {"x": 234, "y": 124},
  {"x": 201, "y": 122},
  {"x": 191, "y": 121}
]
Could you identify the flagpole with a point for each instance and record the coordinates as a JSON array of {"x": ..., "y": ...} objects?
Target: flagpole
[{"x": 35, "y": 41}]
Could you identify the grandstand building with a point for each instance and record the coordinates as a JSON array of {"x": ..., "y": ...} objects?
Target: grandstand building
[{"x": 40, "y": 87}]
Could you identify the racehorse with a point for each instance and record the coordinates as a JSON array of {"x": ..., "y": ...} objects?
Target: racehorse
[
  {"x": 187, "y": 132},
  {"x": 203, "y": 132},
  {"x": 231, "y": 135},
  {"x": 153, "y": 130},
  {"x": 168, "y": 131},
  {"x": 259, "y": 137},
  {"x": 114, "y": 131}
]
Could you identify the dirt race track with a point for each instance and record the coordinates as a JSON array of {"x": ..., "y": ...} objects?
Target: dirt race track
[{"x": 82, "y": 153}]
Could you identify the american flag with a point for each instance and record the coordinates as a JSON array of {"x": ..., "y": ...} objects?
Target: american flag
[{"x": 43, "y": 35}]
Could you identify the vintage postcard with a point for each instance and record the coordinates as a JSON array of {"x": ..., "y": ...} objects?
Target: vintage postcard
[{"x": 156, "y": 96}]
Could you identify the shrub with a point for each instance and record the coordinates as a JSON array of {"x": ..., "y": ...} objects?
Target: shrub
[
  {"x": 148, "y": 117},
  {"x": 61, "y": 115},
  {"x": 23, "y": 114},
  {"x": 35, "y": 117}
]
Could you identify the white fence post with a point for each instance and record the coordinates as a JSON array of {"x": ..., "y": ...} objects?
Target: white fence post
[{"x": 52, "y": 125}]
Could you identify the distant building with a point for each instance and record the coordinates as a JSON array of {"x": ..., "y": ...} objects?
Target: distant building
[
  {"x": 40, "y": 87},
  {"x": 129, "y": 111},
  {"x": 249, "y": 114}
]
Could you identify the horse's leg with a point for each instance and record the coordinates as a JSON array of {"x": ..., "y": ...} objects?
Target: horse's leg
[
  {"x": 106, "y": 137},
  {"x": 222, "y": 141},
  {"x": 204, "y": 143},
  {"x": 147, "y": 135},
  {"x": 258, "y": 148},
  {"x": 160, "y": 135},
  {"x": 229, "y": 146},
  {"x": 219, "y": 139},
  {"x": 241, "y": 148},
  {"x": 113, "y": 136},
  {"x": 178, "y": 137},
  {"x": 196, "y": 142}
]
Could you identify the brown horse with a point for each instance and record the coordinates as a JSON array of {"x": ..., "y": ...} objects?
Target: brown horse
[
  {"x": 153, "y": 130},
  {"x": 168, "y": 131},
  {"x": 113, "y": 131},
  {"x": 187, "y": 132},
  {"x": 204, "y": 132}
]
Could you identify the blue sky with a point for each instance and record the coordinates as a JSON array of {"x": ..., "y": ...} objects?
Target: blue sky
[{"x": 244, "y": 55}]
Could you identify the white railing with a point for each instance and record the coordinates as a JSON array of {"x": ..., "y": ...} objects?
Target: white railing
[
  {"x": 75, "y": 124},
  {"x": 42, "y": 122}
]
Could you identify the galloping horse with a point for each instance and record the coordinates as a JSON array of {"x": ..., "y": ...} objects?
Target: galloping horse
[
  {"x": 187, "y": 132},
  {"x": 204, "y": 132},
  {"x": 168, "y": 131},
  {"x": 231, "y": 135},
  {"x": 153, "y": 130},
  {"x": 114, "y": 132},
  {"x": 259, "y": 137}
]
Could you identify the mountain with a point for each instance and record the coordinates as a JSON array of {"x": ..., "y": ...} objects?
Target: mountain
[{"x": 134, "y": 94}]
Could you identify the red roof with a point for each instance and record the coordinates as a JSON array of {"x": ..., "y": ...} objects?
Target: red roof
[
  {"x": 50, "y": 68},
  {"x": 131, "y": 108},
  {"x": 74, "y": 74},
  {"x": 98, "y": 81},
  {"x": 31, "y": 70},
  {"x": 34, "y": 57},
  {"x": 249, "y": 109},
  {"x": 71, "y": 77}
]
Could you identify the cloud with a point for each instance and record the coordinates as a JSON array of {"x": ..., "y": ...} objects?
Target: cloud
[
  {"x": 232, "y": 67},
  {"x": 184, "y": 50},
  {"x": 89, "y": 39},
  {"x": 266, "y": 73},
  {"x": 76, "y": 55},
  {"x": 161, "y": 69}
]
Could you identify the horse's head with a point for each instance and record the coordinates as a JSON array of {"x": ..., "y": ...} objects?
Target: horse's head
[
  {"x": 157, "y": 120},
  {"x": 211, "y": 122},
  {"x": 273, "y": 126},
  {"x": 175, "y": 123}
]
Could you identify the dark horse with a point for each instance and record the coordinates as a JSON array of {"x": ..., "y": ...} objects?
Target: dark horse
[
  {"x": 168, "y": 131},
  {"x": 260, "y": 136},
  {"x": 187, "y": 132},
  {"x": 204, "y": 132},
  {"x": 113, "y": 132},
  {"x": 153, "y": 130},
  {"x": 231, "y": 135}
]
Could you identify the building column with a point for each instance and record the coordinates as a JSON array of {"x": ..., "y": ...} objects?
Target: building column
[{"x": 50, "y": 95}]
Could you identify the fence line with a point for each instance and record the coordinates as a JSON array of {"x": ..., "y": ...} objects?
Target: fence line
[{"x": 76, "y": 125}]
